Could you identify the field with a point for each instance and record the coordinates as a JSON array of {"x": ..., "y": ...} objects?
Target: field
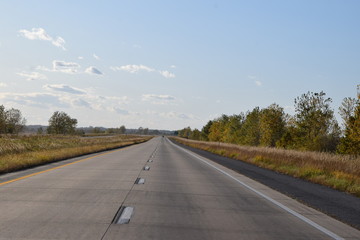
[
  {"x": 341, "y": 172},
  {"x": 19, "y": 152}
]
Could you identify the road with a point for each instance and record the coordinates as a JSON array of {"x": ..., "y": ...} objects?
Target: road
[{"x": 184, "y": 196}]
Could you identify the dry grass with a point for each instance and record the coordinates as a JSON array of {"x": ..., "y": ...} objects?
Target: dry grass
[
  {"x": 19, "y": 152},
  {"x": 341, "y": 172}
]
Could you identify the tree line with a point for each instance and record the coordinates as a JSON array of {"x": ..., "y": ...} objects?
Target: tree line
[{"x": 313, "y": 127}]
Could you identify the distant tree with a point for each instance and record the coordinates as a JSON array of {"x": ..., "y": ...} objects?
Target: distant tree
[
  {"x": 216, "y": 130},
  {"x": 272, "y": 125},
  {"x": 97, "y": 130},
  {"x": 2, "y": 119},
  {"x": 350, "y": 112},
  {"x": 232, "y": 129},
  {"x": 61, "y": 123},
  {"x": 185, "y": 132},
  {"x": 140, "y": 130},
  {"x": 11, "y": 120},
  {"x": 195, "y": 134},
  {"x": 122, "y": 129},
  {"x": 250, "y": 130},
  {"x": 205, "y": 131},
  {"x": 146, "y": 131},
  {"x": 316, "y": 126},
  {"x": 40, "y": 131}
]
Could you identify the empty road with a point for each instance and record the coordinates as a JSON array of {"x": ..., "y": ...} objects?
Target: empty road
[{"x": 180, "y": 196}]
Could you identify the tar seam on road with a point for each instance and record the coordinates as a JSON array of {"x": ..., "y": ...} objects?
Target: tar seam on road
[
  {"x": 51, "y": 169},
  {"x": 292, "y": 212}
]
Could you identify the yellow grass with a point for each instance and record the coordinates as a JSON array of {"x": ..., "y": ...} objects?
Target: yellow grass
[
  {"x": 341, "y": 172},
  {"x": 21, "y": 152}
]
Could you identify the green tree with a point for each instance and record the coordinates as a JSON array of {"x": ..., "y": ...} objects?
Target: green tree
[
  {"x": 316, "y": 128},
  {"x": 195, "y": 134},
  {"x": 11, "y": 121},
  {"x": 205, "y": 131},
  {"x": 122, "y": 129},
  {"x": 185, "y": 132},
  {"x": 232, "y": 128},
  {"x": 61, "y": 123},
  {"x": 2, "y": 119},
  {"x": 350, "y": 112},
  {"x": 216, "y": 131},
  {"x": 271, "y": 125},
  {"x": 250, "y": 130}
]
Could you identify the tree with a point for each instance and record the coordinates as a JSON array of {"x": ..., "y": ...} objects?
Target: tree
[
  {"x": 122, "y": 129},
  {"x": 272, "y": 125},
  {"x": 350, "y": 112},
  {"x": 195, "y": 134},
  {"x": 2, "y": 119},
  {"x": 185, "y": 132},
  {"x": 61, "y": 123},
  {"x": 315, "y": 122},
  {"x": 232, "y": 128},
  {"x": 11, "y": 120},
  {"x": 250, "y": 131},
  {"x": 205, "y": 131}
]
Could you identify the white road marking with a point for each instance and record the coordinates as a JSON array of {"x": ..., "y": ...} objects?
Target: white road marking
[
  {"x": 125, "y": 215},
  {"x": 294, "y": 213}
]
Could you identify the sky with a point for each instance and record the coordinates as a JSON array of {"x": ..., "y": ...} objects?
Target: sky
[{"x": 173, "y": 64}]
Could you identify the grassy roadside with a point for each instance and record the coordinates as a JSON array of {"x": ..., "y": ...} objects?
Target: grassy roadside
[
  {"x": 337, "y": 171},
  {"x": 20, "y": 152}
]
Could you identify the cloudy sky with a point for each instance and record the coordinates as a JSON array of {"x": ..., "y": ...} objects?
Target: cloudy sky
[{"x": 172, "y": 64}]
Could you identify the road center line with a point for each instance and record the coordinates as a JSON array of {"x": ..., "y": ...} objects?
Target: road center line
[
  {"x": 54, "y": 168},
  {"x": 292, "y": 212}
]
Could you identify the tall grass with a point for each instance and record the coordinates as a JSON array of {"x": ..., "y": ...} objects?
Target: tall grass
[
  {"x": 341, "y": 172},
  {"x": 19, "y": 152}
]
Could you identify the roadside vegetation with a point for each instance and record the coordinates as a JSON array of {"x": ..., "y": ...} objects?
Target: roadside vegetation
[
  {"x": 341, "y": 172},
  {"x": 310, "y": 144},
  {"x": 62, "y": 140},
  {"x": 312, "y": 128},
  {"x": 19, "y": 152}
]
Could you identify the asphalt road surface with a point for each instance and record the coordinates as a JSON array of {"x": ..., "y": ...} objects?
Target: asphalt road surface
[{"x": 180, "y": 196}]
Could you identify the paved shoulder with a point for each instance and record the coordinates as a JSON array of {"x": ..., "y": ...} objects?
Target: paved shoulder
[{"x": 342, "y": 206}]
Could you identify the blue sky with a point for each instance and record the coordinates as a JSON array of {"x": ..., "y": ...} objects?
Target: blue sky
[{"x": 172, "y": 64}]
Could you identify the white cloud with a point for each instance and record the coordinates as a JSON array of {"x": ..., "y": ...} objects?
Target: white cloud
[
  {"x": 96, "y": 57},
  {"x": 80, "y": 58},
  {"x": 258, "y": 83},
  {"x": 252, "y": 77},
  {"x": 157, "y": 99},
  {"x": 138, "y": 68},
  {"x": 40, "y": 34},
  {"x": 120, "y": 111},
  {"x": 81, "y": 103},
  {"x": 167, "y": 74},
  {"x": 40, "y": 100},
  {"x": 61, "y": 66},
  {"x": 64, "y": 88},
  {"x": 93, "y": 70},
  {"x": 3, "y": 84},
  {"x": 172, "y": 66},
  {"x": 133, "y": 68},
  {"x": 176, "y": 115},
  {"x": 32, "y": 76}
]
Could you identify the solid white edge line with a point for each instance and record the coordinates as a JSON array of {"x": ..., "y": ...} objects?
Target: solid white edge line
[{"x": 298, "y": 215}]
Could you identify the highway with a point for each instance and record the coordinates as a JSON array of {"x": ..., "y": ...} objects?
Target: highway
[{"x": 154, "y": 190}]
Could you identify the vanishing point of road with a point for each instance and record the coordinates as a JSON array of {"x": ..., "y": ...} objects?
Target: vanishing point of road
[{"x": 154, "y": 190}]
